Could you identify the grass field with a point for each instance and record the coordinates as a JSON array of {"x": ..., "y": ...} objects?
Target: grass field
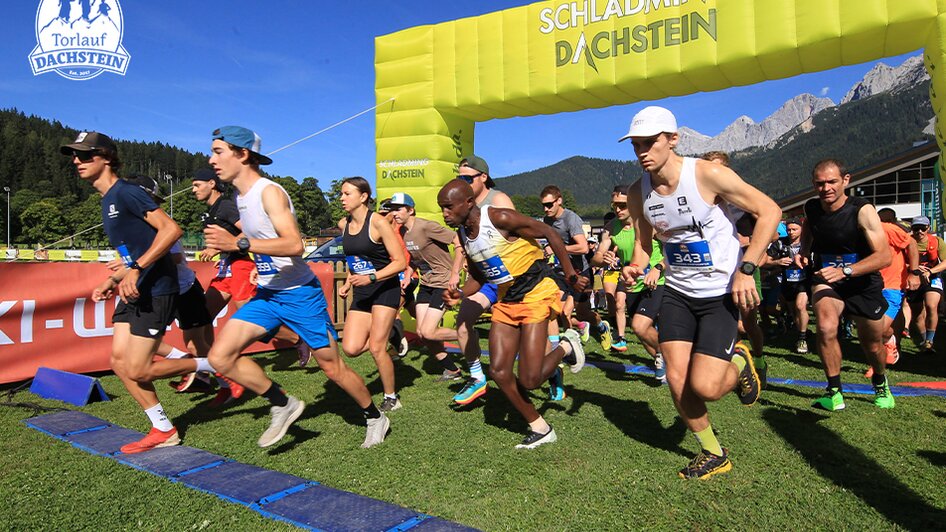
[{"x": 614, "y": 466}]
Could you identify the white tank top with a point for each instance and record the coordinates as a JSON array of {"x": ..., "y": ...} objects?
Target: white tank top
[
  {"x": 699, "y": 240},
  {"x": 275, "y": 273}
]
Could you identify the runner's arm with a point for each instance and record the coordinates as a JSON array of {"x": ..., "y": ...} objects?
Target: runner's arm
[
  {"x": 880, "y": 257},
  {"x": 511, "y": 221},
  {"x": 392, "y": 246}
]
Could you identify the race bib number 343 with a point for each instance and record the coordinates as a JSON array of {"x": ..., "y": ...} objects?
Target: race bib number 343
[{"x": 691, "y": 256}]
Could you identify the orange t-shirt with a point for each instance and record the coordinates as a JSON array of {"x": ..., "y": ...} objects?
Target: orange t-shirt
[{"x": 895, "y": 275}]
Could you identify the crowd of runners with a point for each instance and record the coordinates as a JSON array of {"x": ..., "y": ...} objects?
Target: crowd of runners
[{"x": 692, "y": 257}]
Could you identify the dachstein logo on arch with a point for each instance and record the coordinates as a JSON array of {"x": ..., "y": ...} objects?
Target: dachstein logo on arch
[{"x": 79, "y": 39}]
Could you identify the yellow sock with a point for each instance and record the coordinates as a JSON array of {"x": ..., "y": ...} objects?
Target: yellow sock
[
  {"x": 739, "y": 361},
  {"x": 708, "y": 440}
]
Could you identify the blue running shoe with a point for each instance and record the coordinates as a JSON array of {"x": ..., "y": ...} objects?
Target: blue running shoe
[
  {"x": 620, "y": 346},
  {"x": 473, "y": 389},
  {"x": 556, "y": 390}
]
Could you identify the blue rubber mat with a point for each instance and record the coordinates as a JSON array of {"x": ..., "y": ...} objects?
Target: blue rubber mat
[{"x": 276, "y": 495}]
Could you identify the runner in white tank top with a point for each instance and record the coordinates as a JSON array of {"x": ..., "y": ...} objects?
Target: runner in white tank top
[
  {"x": 680, "y": 199},
  {"x": 287, "y": 295}
]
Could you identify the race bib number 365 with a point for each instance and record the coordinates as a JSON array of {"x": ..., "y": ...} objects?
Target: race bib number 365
[
  {"x": 494, "y": 270},
  {"x": 692, "y": 256}
]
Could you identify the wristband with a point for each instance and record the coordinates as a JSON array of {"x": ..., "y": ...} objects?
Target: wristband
[
  {"x": 634, "y": 265},
  {"x": 135, "y": 266}
]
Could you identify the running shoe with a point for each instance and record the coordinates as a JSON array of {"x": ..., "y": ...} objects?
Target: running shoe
[
  {"x": 748, "y": 386},
  {"x": 575, "y": 359},
  {"x": 304, "y": 353},
  {"x": 281, "y": 417},
  {"x": 473, "y": 389},
  {"x": 223, "y": 398},
  {"x": 556, "y": 390},
  {"x": 534, "y": 439},
  {"x": 706, "y": 464},
  {"x": 397, "y": 340},
  {"x": 236, "y": 389},
  {"x": 801, "y": 347},
  {"x": 377, "y": 429},
  {"x": 402, "y": 348},
  {"x": 893, "y": 354},
  {"x": 620, "y": 346},
  {"x": 883, "y": 398},
  {"x": 927, "y": 347},
  {"x": 585, "y": 329},
  {"x": 185, "y": 383},
  {"x": 606, "y": 336},
  {"x": 390, "y": 404},
  {"x": 869, "y": 373},
  {"x": 659, "y": 370},
  {"x": 832, "y": 400},
  {"x": 156, "y": 438},
  {"x": 448, "y": 375}
]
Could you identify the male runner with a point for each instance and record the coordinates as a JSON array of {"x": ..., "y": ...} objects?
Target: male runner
[
  {"x": 849, "y": 246},
  {"x": 501, "y": 248},
  {"x": 288, "y": 292},
  {"x": 428, "y": 244},
  {"x": 683, "y": 200},
  {"x": 925, "y": 299},
  {"x": 142, "y": 234},
  {"x": 568, "y": 225},
  {"x": 475, "y": 172}
]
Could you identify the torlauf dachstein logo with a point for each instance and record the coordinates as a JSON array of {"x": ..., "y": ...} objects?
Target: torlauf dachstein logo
[{"x": 79, "y": 39}]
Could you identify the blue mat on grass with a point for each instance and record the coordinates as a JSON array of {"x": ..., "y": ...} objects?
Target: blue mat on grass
[{"x": 288, "y": 498}]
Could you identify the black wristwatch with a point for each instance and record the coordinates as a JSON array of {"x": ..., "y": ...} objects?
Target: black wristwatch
[
  {"x": 372, "y": 277},
  {"x": 747, "y": 267},
  {"x": 135, "y": 266},
  {"x": 243, "y": 244},
  {"x": 659, "y": 266},
  {"x": 917, "y": 272},
  {"x": 847, "y": 271}
]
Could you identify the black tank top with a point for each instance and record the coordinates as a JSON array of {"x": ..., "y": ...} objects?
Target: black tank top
[
  {"x": 836, "y": 236},
  {"x": 361, "y": 246}
]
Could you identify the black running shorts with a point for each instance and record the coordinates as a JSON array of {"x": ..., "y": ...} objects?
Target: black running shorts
[
  {"x": 646, "y": 302},
  {"x": 430, "y": 296},
  {"x": 386, "y": 293},
  {"x": 710, "y": 323},
  {"x": 192, "y": 308},
  {"x": 148, "y": 315}
]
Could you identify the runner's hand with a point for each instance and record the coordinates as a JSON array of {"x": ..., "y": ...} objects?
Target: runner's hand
[
  {"x": 359, "y": 280},
  {"x": 631, "y": 272},
  {"x": 744, "y": 294},
  {"x": 128, "y": 288},
  {"x": 831, "y": 274},
  {"x": 454, "y": 282},
  {"x": 452, "y": 296},
  {"x": 650, "y": 280},
  {"x": 913, "y": 282},
  {"x": 207, "y": 255},
  {"x": 103, "y": 291},
  {"x": 610, "y": 259},
  {"x": 219, "y": 238},
  {"x": 801, "y": 262},
  {"x": 578, "y": 282},
  {"x": 344, "y": 289},
  {"x": 115, "y": 264}
]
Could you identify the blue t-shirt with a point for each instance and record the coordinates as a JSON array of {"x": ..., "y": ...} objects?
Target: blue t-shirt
[{"x": 123, "y": 214}]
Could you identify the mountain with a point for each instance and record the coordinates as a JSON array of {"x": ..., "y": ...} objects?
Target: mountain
[{"x": 776, "y": 154}]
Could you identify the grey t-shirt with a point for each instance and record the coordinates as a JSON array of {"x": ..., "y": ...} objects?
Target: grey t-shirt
[{"x": 568, "y": 225}]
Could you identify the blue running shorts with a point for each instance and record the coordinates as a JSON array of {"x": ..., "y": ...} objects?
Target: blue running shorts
[
  {"x": 302, "y": 309},
  {"x": 894, "y": 300}
]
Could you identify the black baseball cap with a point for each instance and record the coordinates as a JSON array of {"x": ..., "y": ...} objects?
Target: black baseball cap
[
  {"x": 89, "y": 141},
  {"x": 148, "y": 184}
]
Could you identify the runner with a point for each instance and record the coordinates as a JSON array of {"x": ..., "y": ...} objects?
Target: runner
[
  {"x": 408, "y": 280},
  {"x": 475, "y": 172},
  {"x": 142, "y": 234},
  {"x": 500, "y": 247},
  {"x": 682, "y": 199},
  {"x": 924, "y": 301},
  {"x": 568, "y": 225},
  {"x": 902, "y": 274},
  {"x": 288, "y": 293},
  {"x": 796, "y": 290},
  {"x": 428, "y": 244},
  {"x": 375, "y": 258},
  {"x": 850, "y": 248},
  {"x": 617, "y": 250}
]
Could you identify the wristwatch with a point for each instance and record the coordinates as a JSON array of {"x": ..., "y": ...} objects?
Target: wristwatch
[
  {"x": 135, "y": 266},
  {"x": 659, "y": 266},
  {"x": 847, "y": 271},
  {"x": 747, "y": 267},
  {"x": 372, "y": 277},
  {"x": 917, "y": 272},
  {"x": 243, "y": 244}
]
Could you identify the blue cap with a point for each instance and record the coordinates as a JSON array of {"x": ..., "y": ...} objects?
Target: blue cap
[
  {"x": 920, "y": 220},
  {"x": 400, "y": 198},
  {"x": 242, "y": 138}
]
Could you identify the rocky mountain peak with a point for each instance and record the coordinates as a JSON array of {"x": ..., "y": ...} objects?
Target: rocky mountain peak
[{"x": 883, "y": 78}]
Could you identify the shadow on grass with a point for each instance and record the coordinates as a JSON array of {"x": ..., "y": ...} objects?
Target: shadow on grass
[
  {"x": 850, "y": 469},
  {"x": 936, "y": 458}
]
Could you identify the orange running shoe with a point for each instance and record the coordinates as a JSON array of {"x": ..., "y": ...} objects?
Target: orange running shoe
[
  {"x": 156, "y": 438},
  {"x": 893, "y": 354},
  {"x": 236, "y": 389},
  {"x": 869, "y": 373},
  {"x": 223, "y": 398}
]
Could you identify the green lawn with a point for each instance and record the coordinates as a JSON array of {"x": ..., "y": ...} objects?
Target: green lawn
[{"x": 614, "y": 466}]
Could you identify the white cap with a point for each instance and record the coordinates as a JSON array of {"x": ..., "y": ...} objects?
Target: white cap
[{"x": 651, "y": 121}]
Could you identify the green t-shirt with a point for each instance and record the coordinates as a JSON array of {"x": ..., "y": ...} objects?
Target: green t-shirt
[{"x": 623, "y": 237}]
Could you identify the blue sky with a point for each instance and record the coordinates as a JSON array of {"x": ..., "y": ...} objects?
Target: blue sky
[{"x": 288, "y": 69}]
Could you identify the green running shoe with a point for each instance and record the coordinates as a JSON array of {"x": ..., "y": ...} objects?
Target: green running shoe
[
  {"x": 883, "y": 398},
  {"x": 832, "y": 400},
  {"x": 706, "y": 464}
]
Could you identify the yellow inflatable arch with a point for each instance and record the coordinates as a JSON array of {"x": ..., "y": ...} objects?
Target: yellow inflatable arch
[{"x": 557, "y": 56}]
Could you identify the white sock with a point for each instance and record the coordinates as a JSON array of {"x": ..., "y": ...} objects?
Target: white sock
[
  {"x": 204, "y": 365},
  {"x": 390, "y": 396},
  {"x": 159, "y": 419},
  {"x": 540, "y": 426},
  {"x": 476, "y": 371},
  {"x": 176, "y": 353}
]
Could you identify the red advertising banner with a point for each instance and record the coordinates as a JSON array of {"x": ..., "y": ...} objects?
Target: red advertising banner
[{"x": 47, "y": 317}]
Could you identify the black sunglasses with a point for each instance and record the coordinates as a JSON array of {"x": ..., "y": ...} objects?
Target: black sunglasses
[
  {"x": 470, "y": 178},
  {"x": 84, "y": 156},
  {"x": 621, "y": 206},
  {"x": 548, "y": 205}
]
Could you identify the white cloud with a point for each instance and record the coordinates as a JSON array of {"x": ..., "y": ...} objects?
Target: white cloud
[{"x": 825, "y": 91}]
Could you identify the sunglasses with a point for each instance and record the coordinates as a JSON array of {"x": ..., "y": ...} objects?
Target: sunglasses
[
  {"x": 470, "y": 178},
  {"x": 84, "y": 156},
  {"x": 619, "y": 206},
  {"x": 918, "y": 228},
  {"x": 548, "y": 205}
]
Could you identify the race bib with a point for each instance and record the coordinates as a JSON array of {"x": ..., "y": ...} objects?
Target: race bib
[
  {"x": 360, "y": 266},
  {"x": 125, "y": 255},
  {"x": 693, "y": 256},
  {"x": 794, "y": 275},
  {"x": 495, "y": 270},
  {"x": 223, "y": 268},
  {"x": 838, "y": 261},
  {"x": 264, "y": 265},
  {"x": 936, "y": 282}
]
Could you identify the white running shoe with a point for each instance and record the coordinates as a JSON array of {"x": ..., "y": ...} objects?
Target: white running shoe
[
  {"x": 376, "y": 431},
  {"x": 281, "y": 417},
  {"x": 578, "y": 350},
  {"x": 534, "y": 439}
]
